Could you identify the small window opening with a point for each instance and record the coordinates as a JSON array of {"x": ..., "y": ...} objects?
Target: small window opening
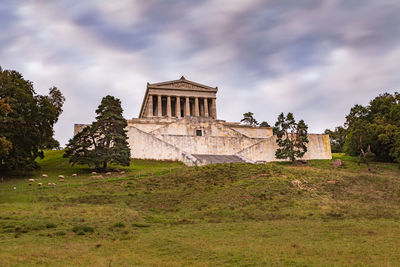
[{"x": 199, "y": 133}]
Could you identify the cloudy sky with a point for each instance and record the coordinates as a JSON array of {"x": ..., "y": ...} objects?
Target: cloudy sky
[{"x": 316, "y": 58}]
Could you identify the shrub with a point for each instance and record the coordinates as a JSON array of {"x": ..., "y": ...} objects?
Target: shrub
[
  {"x": 82, "y": 229},
  {"x": 138, "y": 224},
  {"x": 80, "y": 232},
  {"x": 119, "y": 225},
  {"x": 51, "y": 225},
  {"x": 60, "y": 233}
]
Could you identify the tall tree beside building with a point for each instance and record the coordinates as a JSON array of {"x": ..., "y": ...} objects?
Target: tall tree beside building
[
  {"x": 104, "y": 141},
  {"x": 27, "y": 128},
  {"x": 291, "y": 137}
]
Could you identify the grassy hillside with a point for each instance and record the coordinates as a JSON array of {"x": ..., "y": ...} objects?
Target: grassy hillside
[{"x": 163, "y": 213}]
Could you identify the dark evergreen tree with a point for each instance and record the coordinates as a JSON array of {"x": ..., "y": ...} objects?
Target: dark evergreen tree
[
  {"x": 291, "y": 137},
  {"x": 249, "y": 119},
  {"x": 104, "y": 141},
  {"x": 28, "y": 128},
  {"x": 264, "y": 124}
]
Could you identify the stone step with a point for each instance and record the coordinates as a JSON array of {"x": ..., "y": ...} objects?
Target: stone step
[{"x": 203, "y": 159}]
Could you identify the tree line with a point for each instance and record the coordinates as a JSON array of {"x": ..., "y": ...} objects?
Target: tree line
[
  {"x": 374, "y": 127},
  {"x": 371, "y": 132}
]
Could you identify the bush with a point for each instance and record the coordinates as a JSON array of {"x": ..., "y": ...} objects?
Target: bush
[
  {"x": 119, "y": 225},
  {"x": 138, "y": 224},
  {"x": 51, "y": 225},
  {"x": 60, "y": 233},
  {"x": 82, "y": 229}
]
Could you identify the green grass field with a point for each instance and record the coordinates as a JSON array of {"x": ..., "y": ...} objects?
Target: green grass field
[{"x": 166, "y": 214}]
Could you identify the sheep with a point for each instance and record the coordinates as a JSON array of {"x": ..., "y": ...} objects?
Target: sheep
[
  {"x": 40, "y": 184},
  {"x": 74, "y": 175},
  {"x": 122, "y": 172},
  {"x": 61, "y": 176},
  {"x": 54, "y": 184},
  {"x": 31, "y": 180},
  {"x": 94, "y": 173},
  {"x": 61, "y": 180},
  {"x": 108, "y": 173},
  {"x": 15, "y": 188},
  {"x": 45, "y": 175}
]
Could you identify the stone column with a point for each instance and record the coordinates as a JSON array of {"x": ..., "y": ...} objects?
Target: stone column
[
  {"x": 205, "y": 107},
  {"x": 159, "y": 107},
  {"x": 214, "y": 108},
  {"x": 187, "y": 107},
  {"x": 150, "y": 106},
  {"x": 196, "y": 107},
  {"x": 169, "y": 114},
  {"x": 178, "y": 107}
]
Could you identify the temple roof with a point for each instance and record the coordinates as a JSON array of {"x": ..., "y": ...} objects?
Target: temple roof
[{"x": 182, "y": 83}]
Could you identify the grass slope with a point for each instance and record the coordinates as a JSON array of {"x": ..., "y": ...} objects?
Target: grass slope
[{"x": 163, "y": 213}]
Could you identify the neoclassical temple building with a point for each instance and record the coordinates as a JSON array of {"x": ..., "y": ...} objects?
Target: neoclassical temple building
[
  {"x": 178, "y": 121},
  {"x": 177, "y": 99}
]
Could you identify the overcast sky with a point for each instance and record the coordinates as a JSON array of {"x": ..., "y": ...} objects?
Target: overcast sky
[{"x": 313, "y": 58}]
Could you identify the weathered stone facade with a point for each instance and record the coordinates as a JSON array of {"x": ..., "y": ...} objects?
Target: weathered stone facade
[{"x": 178, "y": 121}]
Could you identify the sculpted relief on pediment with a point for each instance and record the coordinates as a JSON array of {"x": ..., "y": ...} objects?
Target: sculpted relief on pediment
[{"x": 181, "y": 85}]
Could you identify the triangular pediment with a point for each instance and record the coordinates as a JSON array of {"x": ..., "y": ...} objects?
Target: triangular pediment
[{"x": 182, "y": 83}]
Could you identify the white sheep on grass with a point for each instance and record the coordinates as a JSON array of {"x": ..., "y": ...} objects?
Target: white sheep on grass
[
  {"x": 61, "y": 176},
  {"x": 40, "y": 184},
  {"x": 45, "y": 175},
  {"x": 74, "y": 175}
]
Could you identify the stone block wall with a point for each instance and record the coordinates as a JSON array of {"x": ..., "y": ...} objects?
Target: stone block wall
[
  {"x": 146, "y": 146},
  {"x": 318, "y": 148},
  {"x": 254, "y": 132},
  {"x": 213, "y": 145}
]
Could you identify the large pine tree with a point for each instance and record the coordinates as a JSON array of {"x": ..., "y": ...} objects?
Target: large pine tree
[
  {"x": 104, "y": 141},
  {"x": 291, "y": 137}
]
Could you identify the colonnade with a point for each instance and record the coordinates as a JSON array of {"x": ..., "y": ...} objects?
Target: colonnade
[{"x": 177, "y": 106}]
